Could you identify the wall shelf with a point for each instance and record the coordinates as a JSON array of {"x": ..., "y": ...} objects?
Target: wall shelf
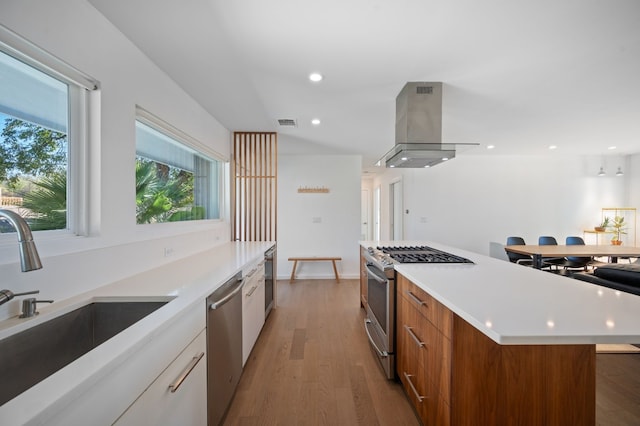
[
  {"x": 313, "y": 190},
  {"x": 629, "y": 215}
]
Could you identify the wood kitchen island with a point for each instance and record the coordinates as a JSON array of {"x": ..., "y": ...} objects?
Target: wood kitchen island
[
  {"x": 454, "y": 374},
  {"x": 498, "y": 343}
]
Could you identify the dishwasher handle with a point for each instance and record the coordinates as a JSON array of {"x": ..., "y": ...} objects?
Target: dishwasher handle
[{"x": 218, "y": 303}]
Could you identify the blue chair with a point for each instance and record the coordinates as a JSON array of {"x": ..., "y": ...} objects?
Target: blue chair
[
  {"x": 550, "y": 262},
  {"x": 577, "y": 262},
  {"x": 520, "y": 259}
]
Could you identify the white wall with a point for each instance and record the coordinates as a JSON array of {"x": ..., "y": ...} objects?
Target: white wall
[
  {"x": 632, "y": 179},
  {"x": 338, "y": 212},
  {"x": 75, "y": 32},
  {"x": 474, "y": 200}
]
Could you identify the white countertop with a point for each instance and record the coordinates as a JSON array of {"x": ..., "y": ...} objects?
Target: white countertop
[
  {"x": 186, "y": 281},
  {"x": 514, "y": 304}
]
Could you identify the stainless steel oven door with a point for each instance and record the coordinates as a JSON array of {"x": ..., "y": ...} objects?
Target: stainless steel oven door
[{"x": 379, "y": 323}]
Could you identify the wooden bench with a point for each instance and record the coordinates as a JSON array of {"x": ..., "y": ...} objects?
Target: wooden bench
[{"x": 295, "y": 261}]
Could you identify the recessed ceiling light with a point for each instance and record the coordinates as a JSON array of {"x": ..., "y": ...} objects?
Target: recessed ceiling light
[
  {"x": 490, "y": 146},
  {"x": 612, "y": 147},
  {"x": 315, "y": 77},
  {"x": 315, "y": 121},
  {"x": 553, "y": 147}
]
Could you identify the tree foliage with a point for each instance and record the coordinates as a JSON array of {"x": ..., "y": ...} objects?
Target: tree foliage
[
  {"x": 28, "y": 149},
  {"x": 164, "y": 194},
  {"x": 48, "y": 202}
]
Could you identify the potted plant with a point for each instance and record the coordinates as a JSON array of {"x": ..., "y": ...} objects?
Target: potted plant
[
  {"x": 603, "y": 226},
  {"x": 619, "y": 228}
]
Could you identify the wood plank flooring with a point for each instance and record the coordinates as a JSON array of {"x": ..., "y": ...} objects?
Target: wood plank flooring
[
  {"x": 618, "y": 389},
  {"x": 312, "y": 366}
]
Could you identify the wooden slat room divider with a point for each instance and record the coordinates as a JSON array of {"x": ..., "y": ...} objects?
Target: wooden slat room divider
[{"x": 255, "y": 189}]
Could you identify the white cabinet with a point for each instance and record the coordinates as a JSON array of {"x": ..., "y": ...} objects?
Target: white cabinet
[
  {"x": 178, "y": 395},
  {"x": 252, "y": 309}
]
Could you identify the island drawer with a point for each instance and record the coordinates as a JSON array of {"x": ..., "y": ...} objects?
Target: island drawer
[
  {"x": 410, "y": 370},
  {"x": 435, "y": 312},
  {"x": 422, "y": 342}
]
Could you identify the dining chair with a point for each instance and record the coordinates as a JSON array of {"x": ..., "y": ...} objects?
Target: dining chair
[
  {"x": 576, "y": 262},
  {"x": 550, "y": 262},
  {"x": 520, "y": 259}
]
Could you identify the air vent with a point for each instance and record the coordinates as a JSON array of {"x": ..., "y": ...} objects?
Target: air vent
[
  {"x": 287, "y": 122},
  {"x": 424, "y": 90}
]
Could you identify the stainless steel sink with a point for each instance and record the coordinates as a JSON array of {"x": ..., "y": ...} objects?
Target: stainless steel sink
[{"x": 30, "y": 356}]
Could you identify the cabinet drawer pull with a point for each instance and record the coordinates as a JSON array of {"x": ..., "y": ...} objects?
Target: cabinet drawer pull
[
  {"x": 194, "y": 361},
  {"x": 413, "y": 388},
  {"x": 413, "y": 336},
  {"x": 250, "y": 273},
  {"x": 416, "y": 299},
  {"x": 252, "y": 290}
]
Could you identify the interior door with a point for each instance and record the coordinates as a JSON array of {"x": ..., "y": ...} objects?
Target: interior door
[
  {"x": 396, "y": 231},
  {"x": 365, "y": 215},
  {"x": 376, "y": 213}
]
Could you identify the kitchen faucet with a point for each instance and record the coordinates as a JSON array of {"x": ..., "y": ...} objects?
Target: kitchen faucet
[{"x": 29, "y": 258}]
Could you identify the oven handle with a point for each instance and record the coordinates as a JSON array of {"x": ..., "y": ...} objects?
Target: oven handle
[
  {"x": 382, "y": 354},
  {"x": 371, "y": 273}
]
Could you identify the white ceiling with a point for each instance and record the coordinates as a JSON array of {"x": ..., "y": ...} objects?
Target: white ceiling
[{"x": 520, "y": 75}]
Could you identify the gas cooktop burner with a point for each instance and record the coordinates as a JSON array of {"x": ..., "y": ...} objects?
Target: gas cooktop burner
[{"x": 421, "y": 254}]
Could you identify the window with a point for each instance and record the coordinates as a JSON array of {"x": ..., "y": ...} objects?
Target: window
[
  {"x": 175, "y": 180},
  {"x": 42, "y": 111}
]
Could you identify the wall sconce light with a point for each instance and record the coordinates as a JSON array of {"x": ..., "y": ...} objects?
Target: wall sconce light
[
  {"x": 601, "y": 172},
  {"x": 619, "y": 172}
]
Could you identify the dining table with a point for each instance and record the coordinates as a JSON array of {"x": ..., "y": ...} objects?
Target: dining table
[{"x": 538, "y": 252}]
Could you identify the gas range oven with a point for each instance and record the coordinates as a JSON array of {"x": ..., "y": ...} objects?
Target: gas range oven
[
  {"x": 381, "y": 294},
  {"x": 385, "y": 257}
]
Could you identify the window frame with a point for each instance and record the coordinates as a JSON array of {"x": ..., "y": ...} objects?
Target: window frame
[
  {"x": 83, "y": 94},
  {"x": 159, "y": 125}
]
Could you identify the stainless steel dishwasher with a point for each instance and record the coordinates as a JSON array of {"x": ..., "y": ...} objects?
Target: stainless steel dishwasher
[{"x": 224, "y": 347}]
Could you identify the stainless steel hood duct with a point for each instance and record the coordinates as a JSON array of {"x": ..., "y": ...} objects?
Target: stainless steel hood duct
[{"x": 419, "y": 128}]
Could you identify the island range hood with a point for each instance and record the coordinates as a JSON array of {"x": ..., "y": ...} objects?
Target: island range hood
[{"x": 419, "y": 128}]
